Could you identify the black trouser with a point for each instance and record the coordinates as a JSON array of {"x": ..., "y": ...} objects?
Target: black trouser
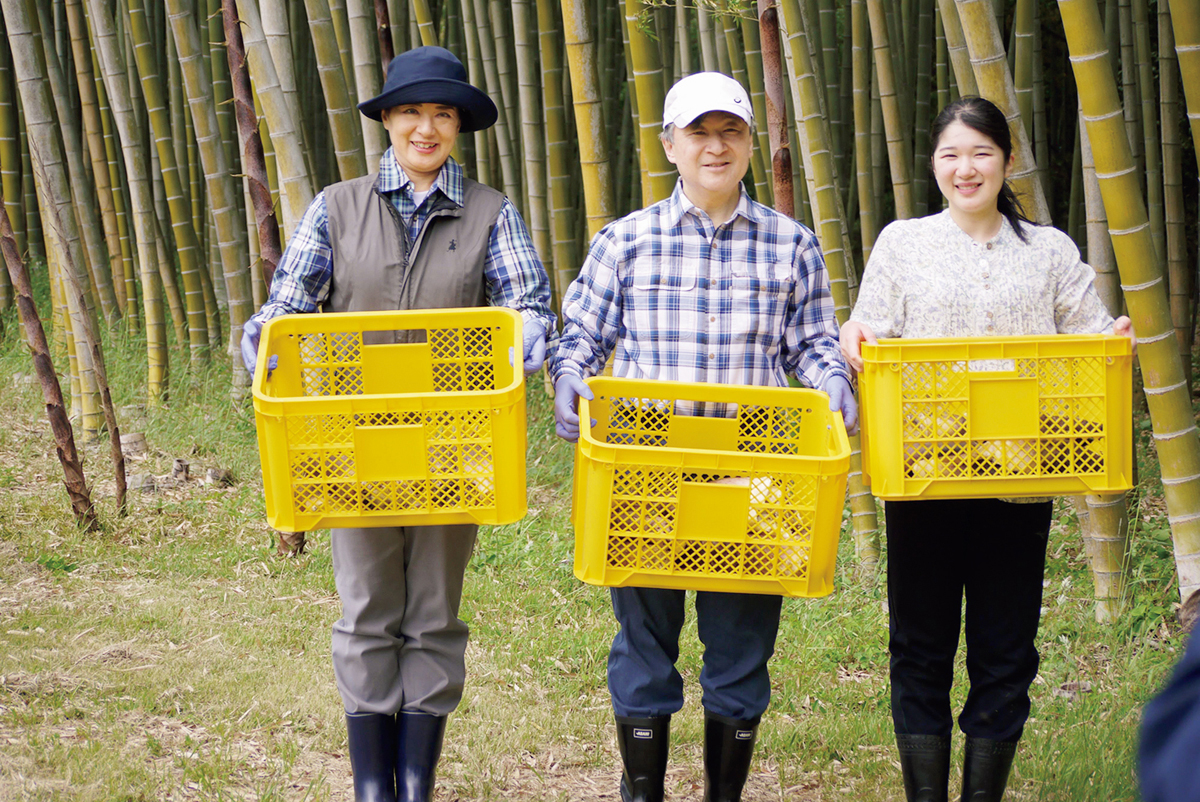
[{"x": 995, "y": 551}]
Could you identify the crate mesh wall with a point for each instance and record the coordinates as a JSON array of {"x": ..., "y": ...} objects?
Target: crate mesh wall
[
  {"x": 1070, "y": 439},
  {"x": 458, "y": 451}
]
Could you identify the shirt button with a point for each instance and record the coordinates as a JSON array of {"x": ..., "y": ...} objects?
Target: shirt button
[
  {"x": 986, "y": 275},
  {"x": 989, "y": 246},
  {"x": 989, "y": 314},
  {"x": 712, "y": 356},
  {"x": 712, "y": 319},
  {"x": 987, "y": 286}
]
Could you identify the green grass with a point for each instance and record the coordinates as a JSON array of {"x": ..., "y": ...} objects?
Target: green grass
[{"x": 172, "y": 654}]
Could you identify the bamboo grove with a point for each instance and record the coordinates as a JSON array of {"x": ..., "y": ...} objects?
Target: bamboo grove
[{"x": 155, "y": 155}]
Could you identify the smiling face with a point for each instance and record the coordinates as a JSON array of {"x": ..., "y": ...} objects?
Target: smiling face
[
  {"x": 712, "y": 154},
  {"x": 422, "y": 137},
  {"x": 970, "y": 169}
]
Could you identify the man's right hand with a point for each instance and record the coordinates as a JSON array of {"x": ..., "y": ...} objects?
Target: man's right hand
[
  {"x": 853, "y": 335},
  {"x": 567, "y": 392}
]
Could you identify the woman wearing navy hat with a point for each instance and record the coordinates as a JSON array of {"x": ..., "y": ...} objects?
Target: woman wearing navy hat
[{"x": 417, "y": 234}]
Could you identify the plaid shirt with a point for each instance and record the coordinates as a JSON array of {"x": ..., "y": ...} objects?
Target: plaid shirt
[
  {"x": 515, "y": 275},
  {"x": 746, "y": 302}
]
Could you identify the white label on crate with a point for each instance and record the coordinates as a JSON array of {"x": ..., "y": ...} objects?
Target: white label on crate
[{"x": 992, "y": 365}]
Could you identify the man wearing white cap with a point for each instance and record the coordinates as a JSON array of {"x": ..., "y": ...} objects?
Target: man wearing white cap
[{"x": 705, "y": 286}]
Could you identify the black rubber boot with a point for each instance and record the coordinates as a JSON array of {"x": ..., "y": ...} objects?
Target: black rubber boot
[
  {"x": 372, "y": 740},
  {"x": 925, "y": 764},
  {"x": 985, "y": 769},
  {"x": 418, "y": 749},
  {"x": 643, "y": 743},
  {"x": 728, "y": 747}
]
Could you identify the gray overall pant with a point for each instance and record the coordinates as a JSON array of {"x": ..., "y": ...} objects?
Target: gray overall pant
[{"x": 400, "y": 643}]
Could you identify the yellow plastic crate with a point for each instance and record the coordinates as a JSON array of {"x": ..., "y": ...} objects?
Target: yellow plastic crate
[
  {"x": 709, "y": 487},
  {"x": 392, "y": 418},
  {"x": 999, "y": 417}
]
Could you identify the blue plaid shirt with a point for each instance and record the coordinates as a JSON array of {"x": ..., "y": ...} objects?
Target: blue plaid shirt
[
  {"x": 515, "y": 275},
  {"x": 746, "y": 302}
]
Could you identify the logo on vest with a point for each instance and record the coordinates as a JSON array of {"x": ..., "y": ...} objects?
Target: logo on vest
[{"x": 453, "y": 245}]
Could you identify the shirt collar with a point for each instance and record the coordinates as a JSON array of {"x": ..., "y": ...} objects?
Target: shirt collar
[
  {"x": 676, "y": 206},
  {"x": 393, "y": 179},
  {"x": 1003, "y": 236}
]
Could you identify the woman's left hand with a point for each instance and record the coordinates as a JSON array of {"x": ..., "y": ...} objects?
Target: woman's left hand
[{"x": 1123, "y": 327}]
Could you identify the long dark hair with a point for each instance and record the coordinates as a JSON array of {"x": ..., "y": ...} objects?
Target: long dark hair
[{"x": 986, "y": 118}]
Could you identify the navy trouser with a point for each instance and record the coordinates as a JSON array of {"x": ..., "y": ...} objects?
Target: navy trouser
[
  {"x": 994, "y": 553},
  {"x": 738, "y": 632}
]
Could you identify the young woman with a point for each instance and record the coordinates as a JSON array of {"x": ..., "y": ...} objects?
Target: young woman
[{"x": 979, "y": 268}]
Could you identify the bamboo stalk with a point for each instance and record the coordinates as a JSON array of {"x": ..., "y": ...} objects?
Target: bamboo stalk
[
  {"x": 1175, "y": 434},
  {"x": 186, "y": 243},
  {"x": 899, "y": 161},
  {"x": 94, "y": 136},
  {"x": 1173, "y": 210},
  {"x": 533, "y": 142},
  {"x": 956, "y": 46},
  {"x": 658, "y": 173},
  {"x": 558, "y": 149},
  {"x": 368, "y": 77},
  {"x": 46, "y": 155},
  {"x": 921, "y": 111},
  {"x": 861, "y": 63},
  {"x": 754, "y": 74},
  {"x": 829, "y": 216},
  {"x": 34, "y": 238},
  {"x": 1099, "y": 243},
  {"x": 282, "y": 119},
  {"x": 1148, "y": 116},
  {"x": 111, "y": 59},
  {"x": 1023, "y": 62},
  {"x": 253, "y": 158},
  {"x": 93, "y": 257},
  {"x": 589, "y": 121},
  {"x": 995, "y": 83},
  {"x": 737, "y": 61},
  {"x": 487, "y": 49},
  {"x": 116, "y": 175},
  {"x": 1041, "y": 144},
  {"x": 506, "y": 94},
  {"x": 10, "y": 162},
  {"x": 343, "y": 116},
  {"x": 219, "y": 182}
]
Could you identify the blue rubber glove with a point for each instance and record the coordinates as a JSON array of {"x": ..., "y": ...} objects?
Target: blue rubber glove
[
  {"x": 251, "y": 332},
  {"x": 567, "y": 391},
  {"x": 841, "y": 398},
  {"x": 534, "y": 346}
]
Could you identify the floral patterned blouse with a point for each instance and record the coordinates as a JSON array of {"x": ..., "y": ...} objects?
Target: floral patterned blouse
[{"x": 927, "y": 278}]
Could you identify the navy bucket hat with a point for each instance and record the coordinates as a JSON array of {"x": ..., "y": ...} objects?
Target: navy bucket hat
[{"x": 432, "y": 75}]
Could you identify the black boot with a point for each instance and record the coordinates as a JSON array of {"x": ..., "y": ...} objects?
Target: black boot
[
  {"x": 985, "y": 769},
  {"x": 418, "y": 748},
  {"x": 372, "y": 740},
  {"x": 728, "y": 746},
  {"x": 925, "y": 764},
  {"x": 643, "y": 743}
]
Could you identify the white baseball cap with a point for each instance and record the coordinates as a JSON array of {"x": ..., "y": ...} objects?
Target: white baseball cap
[{"x": 702, "y": 92}]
